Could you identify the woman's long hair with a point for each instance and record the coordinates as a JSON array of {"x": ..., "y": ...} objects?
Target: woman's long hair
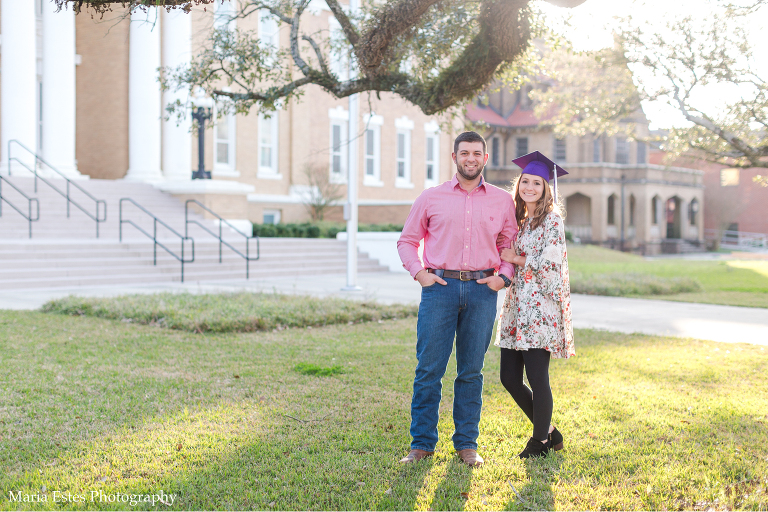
[{"x": 544, "y": 205}]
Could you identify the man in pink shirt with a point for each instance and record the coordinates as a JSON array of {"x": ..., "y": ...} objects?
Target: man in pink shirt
[{"x": 462, "y": 273}]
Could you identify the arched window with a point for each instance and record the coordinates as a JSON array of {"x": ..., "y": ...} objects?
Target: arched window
[
  {"x": 612, "y": 210},
  {"x": 693, "y": 211},
  {"x": 655, "y": 210},
  {"x": 495, "y": 151}
]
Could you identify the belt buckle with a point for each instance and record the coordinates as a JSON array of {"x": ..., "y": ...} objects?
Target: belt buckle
[{"x": 461, "y": 275}]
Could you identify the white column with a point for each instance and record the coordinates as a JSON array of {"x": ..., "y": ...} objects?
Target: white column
[
  {"x": 177, "y": 140},
  {"x": 352, "y": 206},
  {"x": 144, "y": 110},
  {"x": 18, "y": 82},
  {"x": 59, "y": 89}
]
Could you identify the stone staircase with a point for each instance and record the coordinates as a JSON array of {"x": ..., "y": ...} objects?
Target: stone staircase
[{"x": 64, "y": 252}]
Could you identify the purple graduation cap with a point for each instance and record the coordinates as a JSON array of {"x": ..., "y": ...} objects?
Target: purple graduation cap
[{"x": 538, "y": 165}]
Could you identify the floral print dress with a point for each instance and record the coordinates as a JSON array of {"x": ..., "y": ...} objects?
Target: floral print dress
[{"x": 537, "y": 308}]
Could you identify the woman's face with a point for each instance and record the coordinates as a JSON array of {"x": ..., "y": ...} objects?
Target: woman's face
[{"x": 530, "y": 187}]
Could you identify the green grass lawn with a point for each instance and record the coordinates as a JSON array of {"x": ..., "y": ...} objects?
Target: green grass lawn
[
  {"x": 735, "y": 283},
  {"x": 225, "y": 421}
]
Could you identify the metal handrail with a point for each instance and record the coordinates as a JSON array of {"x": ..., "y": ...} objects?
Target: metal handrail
[
  {"x": 246, "y": 256},
  {"x": 28, "y": 216},
  {"x": 97, "y": 217},
  {"x": 154, "y": 235}
]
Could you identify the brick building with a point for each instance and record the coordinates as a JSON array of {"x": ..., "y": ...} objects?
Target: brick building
[
  {"x": 83, "y": 93},
  {"x": 614, "y": 195}
]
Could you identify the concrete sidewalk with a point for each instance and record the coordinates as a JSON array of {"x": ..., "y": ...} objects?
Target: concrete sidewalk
[{"x": 703, "y": 321}]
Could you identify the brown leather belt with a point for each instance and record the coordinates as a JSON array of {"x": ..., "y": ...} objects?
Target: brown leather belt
[{"x": 463, "y": 275}]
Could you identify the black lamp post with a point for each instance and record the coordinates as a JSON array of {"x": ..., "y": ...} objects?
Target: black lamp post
[{"x": 201, "y": 115}]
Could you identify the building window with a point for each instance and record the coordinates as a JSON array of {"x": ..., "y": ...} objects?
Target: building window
[
  {"x": 224, "y": 15},
  {"x": 642, "y": 150},
  {"x": 560, "y": 150},
  {"x": 521, "y": 146},
  {"x": 431, "y": 158},
  {"x": 268, "y": 142},
  {"x": 338, "y": 143},
  {"x": 372, "y": 150},
  {"x": 729, "y": 177},
  {"x": 371, "y": 153},
  {"x": 622, "y": 151},
  {"x": 495, "y": 158},
  {"x": 596, "y": 151},
  {"x": 268, "y": 32},
  {"x": 693, "y": 211},
  {"x": 432, "y": 170},
  {"x": 433, "y": 145},
  {"x": 404, "y": 127},
  {"x": 338, "y": 156},
  {"x": 271, "y": 217},
  {"x": 655, "y": 206},
  {"x": 224, "y": 145},
  {"x": 403, "y": 156},
  {"x": 339, "y": 55},
  {"x": 612, "y": 210},
  {"x": 632, "y": 210}
]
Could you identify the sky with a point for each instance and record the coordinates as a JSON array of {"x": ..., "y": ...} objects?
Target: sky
[{"x": 590, "y": 28}]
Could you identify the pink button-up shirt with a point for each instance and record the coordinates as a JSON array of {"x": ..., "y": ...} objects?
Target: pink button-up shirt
[{"x": 459, "y": 229}]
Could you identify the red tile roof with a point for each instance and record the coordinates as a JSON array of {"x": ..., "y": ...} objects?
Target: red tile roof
[{"x": 517, "y": 119}]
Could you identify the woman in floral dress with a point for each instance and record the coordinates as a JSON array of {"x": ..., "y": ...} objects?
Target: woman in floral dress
[{"x": 535, "y": 323}]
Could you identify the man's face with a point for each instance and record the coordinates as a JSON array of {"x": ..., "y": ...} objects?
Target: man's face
[{"x": 470, "y": 160}]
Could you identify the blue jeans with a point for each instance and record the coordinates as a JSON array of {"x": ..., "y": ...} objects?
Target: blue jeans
[{"x": 466, "y": 310}]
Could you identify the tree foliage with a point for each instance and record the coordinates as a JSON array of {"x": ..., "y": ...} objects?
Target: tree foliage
[
  {"x": 585, "y": 93},
  {"x": 435, "y": 54},
  {"x": 597, "y": 90}
]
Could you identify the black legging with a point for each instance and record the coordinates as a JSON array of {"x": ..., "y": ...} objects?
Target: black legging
[{"x": 535, "y": 402}]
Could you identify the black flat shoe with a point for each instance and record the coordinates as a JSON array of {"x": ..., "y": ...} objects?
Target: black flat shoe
[
  {"x": 534, "y": 448},
  {"x": 556, "y": 440}
]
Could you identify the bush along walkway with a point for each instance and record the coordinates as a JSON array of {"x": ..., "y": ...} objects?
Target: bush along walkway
[
  {"x": 229, "y": 312},
  {"x": 599, "y": 271},
  {"x": 317, "y": 418}
]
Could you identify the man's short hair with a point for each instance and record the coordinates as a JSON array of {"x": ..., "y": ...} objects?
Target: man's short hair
[{"x": 468, "y": 137}]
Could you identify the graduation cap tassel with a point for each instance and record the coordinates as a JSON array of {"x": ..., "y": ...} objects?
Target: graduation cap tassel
[{"x": 555, "y": 183}]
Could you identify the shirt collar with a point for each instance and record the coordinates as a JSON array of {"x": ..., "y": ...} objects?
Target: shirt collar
[{"x": 455, "y": 183}]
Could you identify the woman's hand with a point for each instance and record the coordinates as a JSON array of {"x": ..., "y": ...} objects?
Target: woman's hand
[{"x": 510, "y": 256}]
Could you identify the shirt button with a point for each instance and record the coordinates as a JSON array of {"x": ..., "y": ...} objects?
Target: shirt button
[{"x": 467, "y": 229}]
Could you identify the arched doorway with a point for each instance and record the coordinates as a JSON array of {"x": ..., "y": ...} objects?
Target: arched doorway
[
  {"x": 674, "y": 224},
  {"x": 578, "y": 219}
]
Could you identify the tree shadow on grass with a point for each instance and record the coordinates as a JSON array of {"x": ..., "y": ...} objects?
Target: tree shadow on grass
[
  {"x": 457, "y": 480},
  {"x": 406, "y": 485},
  {"x": 537, "y": 492}
]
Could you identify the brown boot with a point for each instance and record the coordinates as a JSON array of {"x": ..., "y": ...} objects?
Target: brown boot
[
  {"x": 415, "y": 455},
  {"x": 470, "y": 457}
]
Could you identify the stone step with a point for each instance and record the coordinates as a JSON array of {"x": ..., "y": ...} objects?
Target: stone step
[
  {"x": 171, "y": 266},
  {"x": 100, "y": 261},
  {"x": 64, "y": 251},
  {"x": 190, "y": 275}
]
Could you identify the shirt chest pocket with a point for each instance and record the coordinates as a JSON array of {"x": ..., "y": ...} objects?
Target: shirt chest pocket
[{"x": 491, "y": 220}]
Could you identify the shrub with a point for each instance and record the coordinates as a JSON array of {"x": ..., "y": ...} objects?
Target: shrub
[
  {"x": 317, "y": 230},
  {"x": 229, "y": 312},
  {"x": 617, "y": 285}
]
